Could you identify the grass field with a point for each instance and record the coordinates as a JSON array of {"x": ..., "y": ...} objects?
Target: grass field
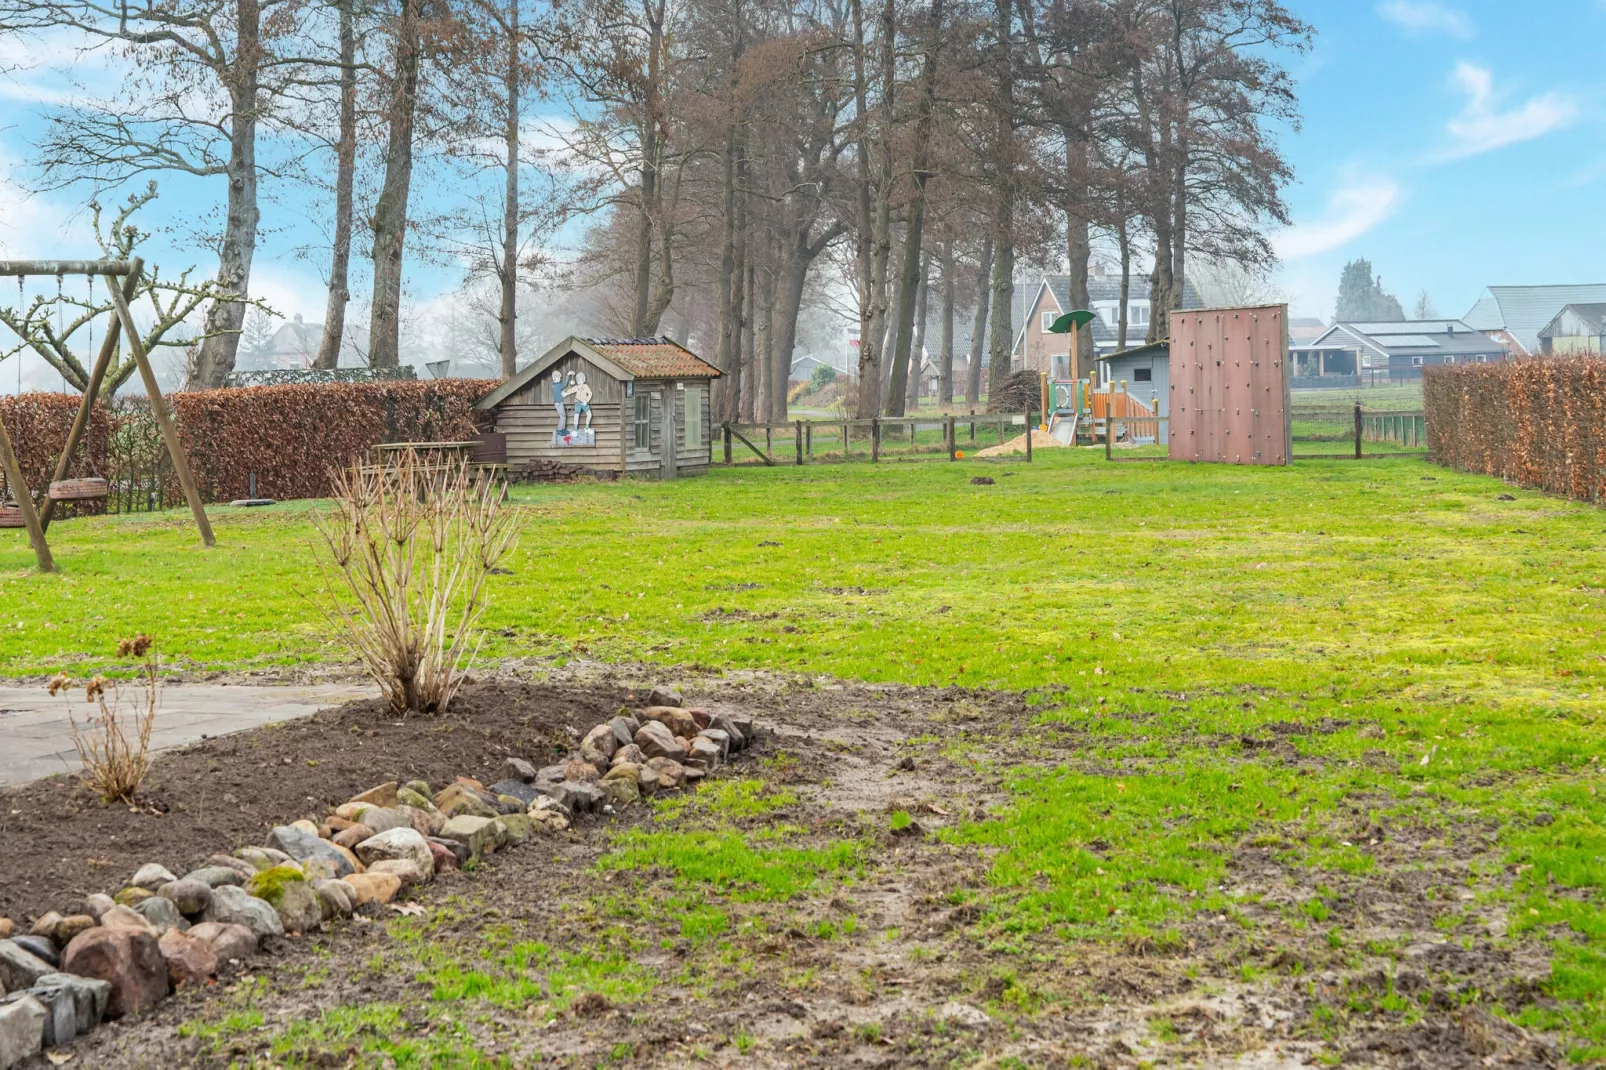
[{"x": 1447, "y": 642}]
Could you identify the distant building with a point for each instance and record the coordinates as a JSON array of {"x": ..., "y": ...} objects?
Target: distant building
[
  {"x": 1303, "y": 329},
  {"x": 1038, "y": 348},
  {"x": 1397, "y": 350},
  {"x": 294, "y": 345},
  {"x": 1516, "y": 314},
  {"x": 1577, "y": 331}
]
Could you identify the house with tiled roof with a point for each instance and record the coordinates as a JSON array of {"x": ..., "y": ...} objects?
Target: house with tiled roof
[
  {"x": 626, "y": 405},
  {"x": 1039, "y": 349},
  {"x": 1515, "y": 315}
]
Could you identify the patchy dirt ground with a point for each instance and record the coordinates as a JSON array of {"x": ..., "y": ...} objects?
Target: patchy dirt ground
[{"x": 561, "y": 953}]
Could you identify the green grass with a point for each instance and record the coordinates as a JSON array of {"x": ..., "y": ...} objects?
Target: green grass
[{"x": 1437, "y": 651}]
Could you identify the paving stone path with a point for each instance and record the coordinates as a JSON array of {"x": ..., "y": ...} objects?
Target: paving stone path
[{"x": 36, "y": 737}]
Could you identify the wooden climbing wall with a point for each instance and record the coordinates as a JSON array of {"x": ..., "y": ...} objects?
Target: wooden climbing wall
[{"x": 1229, "y": 385}]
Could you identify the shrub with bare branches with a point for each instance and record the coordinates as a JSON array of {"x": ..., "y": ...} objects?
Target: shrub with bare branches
[
  {"x": 116, "y": 764},
  {"x": 407, "y": 550}
]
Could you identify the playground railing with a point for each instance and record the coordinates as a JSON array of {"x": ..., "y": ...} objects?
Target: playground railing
[{"x": 845, "y": 439}]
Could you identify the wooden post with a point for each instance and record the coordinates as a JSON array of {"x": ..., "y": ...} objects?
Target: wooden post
[
  {"x": 1109, "y": 428},
  {"x": 875, "y": 439},
  {"x": 19, "y": 491},
  {"x": 181, "y": 463},
  {"x": 952, "y": 445},
  {"x": 727, "y": 427},
  {"x": 972, "y": 427},
  {"x": 844, "y": 440},
  {"x": 1357, "y": 430},
  {"x": 808, "y": 439},
  {"x": 1029, "y": 430},
  {"x": 800, "y": 443},
  {"x": 769, "y": 440}
]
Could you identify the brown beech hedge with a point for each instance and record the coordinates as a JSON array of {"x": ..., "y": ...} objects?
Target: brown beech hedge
[
  {"x": 1536, "y": 423},
  {"x": 290, "y": 436}
]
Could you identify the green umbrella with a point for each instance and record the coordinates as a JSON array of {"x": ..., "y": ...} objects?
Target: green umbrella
[{"x": 1080, "y": 318}]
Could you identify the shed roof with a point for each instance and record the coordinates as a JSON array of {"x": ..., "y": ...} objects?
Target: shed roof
[
  {"x": 1162, "y": 348},
  {"x": 1594, "y": 315},
  {"x": 1521, "y": 311},
  {"x": 623, "y": 358}
]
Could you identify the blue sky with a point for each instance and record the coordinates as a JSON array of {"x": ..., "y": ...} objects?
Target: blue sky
[{"x": 1454, "y": 143}]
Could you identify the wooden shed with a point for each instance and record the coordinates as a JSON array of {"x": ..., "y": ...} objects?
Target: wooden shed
[{"x": 610, "y": 404}]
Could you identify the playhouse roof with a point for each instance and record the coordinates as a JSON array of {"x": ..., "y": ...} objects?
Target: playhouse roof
[{"x": 623, "y": 358}]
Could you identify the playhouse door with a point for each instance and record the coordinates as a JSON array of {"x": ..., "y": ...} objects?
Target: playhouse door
[{"x": 669, "y": 441}]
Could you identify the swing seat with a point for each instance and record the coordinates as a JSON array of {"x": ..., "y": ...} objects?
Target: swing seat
[
  {"x": 77, "y": 490},
  {"x": 10, "y": 515}
]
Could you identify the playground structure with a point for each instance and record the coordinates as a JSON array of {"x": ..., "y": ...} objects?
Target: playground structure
[
  {"x": 121, "y": 278},
  {"x": 1080, "y": 413}
]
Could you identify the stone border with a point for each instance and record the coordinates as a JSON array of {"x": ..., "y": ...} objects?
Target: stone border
[{"x": 125, "y": 953}]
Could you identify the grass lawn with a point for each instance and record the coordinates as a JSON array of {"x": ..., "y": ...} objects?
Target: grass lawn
[{"x": 1431, "y": 653}]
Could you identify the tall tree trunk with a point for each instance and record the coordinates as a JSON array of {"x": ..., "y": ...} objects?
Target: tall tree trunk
[
  {"x": 874, "y": 225},
  {"x": 728, "y": 355},
  {"x": 978, "y": 326},
  {"x": 783, "y": 335},
  {"x": 899, "y": 389},
  {"x": 1000, "y": 335},
  {"x": 507, "y": 315},
  {"x": 748, "y": 360},
  {"x": 390, "y": 213},
  {"x": 224, "y": 319},
  {"x": 334, "y": 316},
  {"x": 945, "y": 380},
  {"x": 1077, "y": 240},
  {"x": 1001, "y": 340},
  {"x": 917, "y": 351},
  {"x": 1123, "y": 239},
  {"x": 1179, "y": 234},
  {"x": 648, "y": 191}
]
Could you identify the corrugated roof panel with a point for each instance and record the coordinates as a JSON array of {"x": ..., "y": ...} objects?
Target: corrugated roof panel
[{"x": 1525, "y": 310}]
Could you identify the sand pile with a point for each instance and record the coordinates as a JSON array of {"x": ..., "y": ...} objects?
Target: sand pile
[{"x": 1041, "y": 440}]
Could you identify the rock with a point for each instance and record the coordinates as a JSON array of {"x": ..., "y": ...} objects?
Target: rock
[
  {"x": 721, "y": 738},
  {"x": 310, "y": 827},
  {"x": 420, "y": 786},
  {"x": 520, "y": 770},
  {"x": 39, "y": 947},
  {"x": 7, "y": 927},
  {"x": 380, "y": 795},
  {"x": 623, "y": 771},
  {"x": 458, "y": 851},
  {"x": 190, "y": 959},
  {"x": 551, "y": 774},
  {"x": 457, "y": 799},
  {"x": 239, "y": 865},
  {"x": 162, "y": 913},
  {"x": 383, "y": 819},
  {"x": 547, "y": 802},
  {"x": 601, "y": 739},
  {"x": 444, "y": 857},
  {"x": 375, "y": 887},
  {"x": 624, "y": 730},
  {"x": 631, "y": 754},
  {"x": 416, "y": 799},
  {"x": 468, "y": 782},
  {"x": 60, "y": 930},
  {"x": 403, "y": 869},
  {"x": 963, "y": 1015},
  {"x": 261, "y": 858},
  {"x": 130, "y": 960},
  {"x": 519, "y": 826},
  {"x": 229, "y": 942},
  {"x": 319, "y": 869},
  {"x": 704, "y": 750},
  {"x": 622, "y": 791},
  {"x": 581, "y": 769},
  {"x": 679, "y": 722},
  {"x": 131, "y": 895},
  {"x": 699, "y": 715},
  {"x": 332, "y": 824},
  {"x": 477, "y": 834},
  {"x": 694, "y": 772},
  {"x": 73, "y": 1005},
  {"x": 97, "y": 904},
  {"x": 190, "y": 896},
  {"x": 350, "y": 857},
  {"x": 744, "y": 725},
  {"x": 234, "y": 905},
  {"x": 548, "y": 820},
  {"x": 579, "y": 796},
  {"x": 724, "y": 723},
  {"x": 407, "y": 843},
  {"x": 121, "y": 917},
  {"x": 350, "y": 838},
  {"x": 671, "y": 774},
  {"x": 337, "y": 898},
  {"x": 426, "y": 822},
  {"x": 22, "y": 1030},
  {"x": 298, "y": 843},
  {"x": 518, "y": 789},
  {"x": 352, "y": 811},
  {"x": 213, "y": 876},
  {"x": 151, "y": 876},
  {"x": 285, "y": 889},
  {"x": 45, "y": 925},
  {"x": 657, "y": 741},
  {"x": 663, "y": 696}
]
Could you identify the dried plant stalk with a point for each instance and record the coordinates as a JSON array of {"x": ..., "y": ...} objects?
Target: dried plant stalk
[
  {"x": 407, "y": 549},
  {"x": 116, "y": 765}
]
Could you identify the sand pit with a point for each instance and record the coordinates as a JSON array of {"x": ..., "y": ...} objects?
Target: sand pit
[{"x": 1041, "y": 440}]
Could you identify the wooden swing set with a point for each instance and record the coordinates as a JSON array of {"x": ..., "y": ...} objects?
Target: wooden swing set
[{"x": 122, "y": 278}]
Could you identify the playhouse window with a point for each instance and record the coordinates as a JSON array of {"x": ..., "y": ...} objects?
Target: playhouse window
[
  {"x": 693, "y": 423},
  {"x": 643, "y": 422},
  {"x": 1142, "y": 375}
]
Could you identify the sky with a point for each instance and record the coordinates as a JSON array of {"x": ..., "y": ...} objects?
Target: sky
[{"x": 1453, "y": 143}]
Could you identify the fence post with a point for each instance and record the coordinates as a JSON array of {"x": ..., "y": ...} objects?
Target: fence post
[
  {"x": 800, "y": 443},
  {"x": 769, "y": 440},
  {"x": 1357, "y": 430},
  {"x": 1109, "y": 430},
  {"x": 1028, "y": 432},
  {"x": 808, "y": 439},
  {"x": 727, "y": 427},
  {"x": 875, "y": 439},
  {"x": 844, "y": 440},
  {"x": 951, "y": 436},
  {"x": 972, "y": 427}
]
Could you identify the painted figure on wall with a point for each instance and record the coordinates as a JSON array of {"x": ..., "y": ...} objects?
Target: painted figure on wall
[
  {"x": 558, "y": 394},
  {"x": 581, "y": 391}
]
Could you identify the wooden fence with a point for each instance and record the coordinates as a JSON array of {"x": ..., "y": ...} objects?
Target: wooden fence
[{"x": 800, "y": 442}]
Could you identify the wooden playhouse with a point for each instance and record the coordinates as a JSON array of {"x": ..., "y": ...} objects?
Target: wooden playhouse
[{"x": 631, "y": 405}]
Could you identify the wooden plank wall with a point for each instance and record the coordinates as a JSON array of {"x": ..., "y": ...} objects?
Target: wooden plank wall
[{"x": 528, "y": 419}]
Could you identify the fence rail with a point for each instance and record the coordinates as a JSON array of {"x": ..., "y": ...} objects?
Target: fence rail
[{"x": 800, "y": 442}]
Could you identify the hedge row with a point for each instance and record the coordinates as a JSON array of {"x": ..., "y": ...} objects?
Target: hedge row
[
  {"x": 1536, "y": 423},
  {"x": 290, "y": 436}
]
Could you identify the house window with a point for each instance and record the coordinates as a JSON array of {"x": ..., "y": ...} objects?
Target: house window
[
  {"x": 693, "y": 423},
  {"x": 1048, "y": 322},
  {"x": 1416, "y": 362},
  {"x": 1137, "y": 315},
  {"x": 643, "y": 422},
  {"x": 1142, "y": 375}
]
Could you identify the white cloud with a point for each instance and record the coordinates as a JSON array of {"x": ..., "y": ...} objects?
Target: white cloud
[
  {"x": 1351, "y": 212},
  {"x": 1427, "y": 17},
  {"x": 1481, "y": 127}
]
